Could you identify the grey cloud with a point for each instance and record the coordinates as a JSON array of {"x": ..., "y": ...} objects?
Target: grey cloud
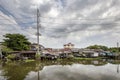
[
  {"x": 45, "y": 8},
  {"x": 73, "y": 10},
  {"x": 76, "y": 7},
  {"x": 80, "y": 4}
]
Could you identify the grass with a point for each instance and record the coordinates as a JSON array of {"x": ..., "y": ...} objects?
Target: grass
[
  {"x": 29, "y": 60},
  {"x": 78, "y": 58}
]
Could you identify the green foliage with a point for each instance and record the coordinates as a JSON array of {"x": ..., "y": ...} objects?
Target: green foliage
[
  {"x": 37, "y": 56},
  {"x": 16, "y": 42},
  {"x": 6, "y": 50},
  {"x": 11, "y": 56},
  {"x": 18, "y": 70},
  {"x": 98, "y": 47},
  {"x": 29, "y": 60},
  {"x": 114, "y": 50}
]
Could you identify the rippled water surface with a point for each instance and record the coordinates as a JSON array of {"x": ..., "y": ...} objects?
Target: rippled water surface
[{"x": 60, "y": 70}]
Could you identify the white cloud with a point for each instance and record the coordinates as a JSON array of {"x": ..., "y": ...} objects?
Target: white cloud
[
  {"x": 6, "y": 25},
  {"x": 53, "y": 13},
  {"x": 66, "y": 24}
]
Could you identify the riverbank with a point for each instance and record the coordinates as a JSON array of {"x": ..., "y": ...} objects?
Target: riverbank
[{"x": 74, "y": 59}]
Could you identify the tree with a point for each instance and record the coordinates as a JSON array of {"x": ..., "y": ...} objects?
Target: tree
[
  {"x": 16, "y": 42},
  {"x": 6, "y": 50},
  {"x": 114, "y": 49},
  {"x": 98, "y": 47}
]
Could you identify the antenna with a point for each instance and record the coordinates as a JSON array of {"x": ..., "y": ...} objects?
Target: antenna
[{"x": 38, "y": 27}]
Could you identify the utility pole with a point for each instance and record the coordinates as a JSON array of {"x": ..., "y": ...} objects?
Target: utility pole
[
  {"x": 118, "y": 46},
  {"x": 38, "y": 33},
  {"x": 118, "y": 52}
]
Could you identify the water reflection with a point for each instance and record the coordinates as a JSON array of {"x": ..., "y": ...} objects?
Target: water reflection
[{"x": 61, "y": 70}]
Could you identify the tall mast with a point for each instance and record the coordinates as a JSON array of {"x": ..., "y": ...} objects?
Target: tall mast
[
  {"x": 38, "y": 27},
  {"x": 118, "y": 46}
]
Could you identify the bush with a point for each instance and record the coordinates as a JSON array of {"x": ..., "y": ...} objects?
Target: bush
[
  {"x": 37, "y": 56},
  {"x": 70, "y": 56},
  {"x": 11, "y": 56}
]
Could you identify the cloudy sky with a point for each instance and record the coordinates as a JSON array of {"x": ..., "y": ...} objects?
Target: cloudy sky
[{"x": 81, "y": 22}]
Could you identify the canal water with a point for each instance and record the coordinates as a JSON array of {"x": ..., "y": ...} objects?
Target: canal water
[{"x": 61, "y": 70}]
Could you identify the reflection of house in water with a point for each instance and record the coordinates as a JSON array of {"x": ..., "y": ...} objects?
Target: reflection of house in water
[{"x": 95, "y": 62}]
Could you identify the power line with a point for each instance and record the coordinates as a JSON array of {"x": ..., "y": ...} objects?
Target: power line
[
  {"x": 67, "y": 18},
  {"x": 81, "y": 23},
  {"x": 28, "y": 32},
  {"x": 81, "y": 18},
  {"x": 13, "y": 23},
  {"x": 66, "y": 23},
  {"x": 50, "y": 28},
  {"x": 21, "y": 18},
  {"x": 16, "y": 24},
  {"x": 7, "y": 19},
  {"x": 60, "y": 23}
]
